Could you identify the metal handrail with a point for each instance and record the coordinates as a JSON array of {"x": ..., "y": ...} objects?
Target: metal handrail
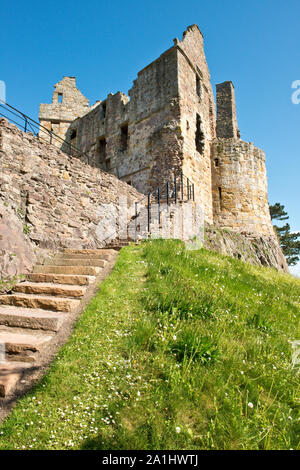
[
  {"x": 175, "y": 191},
  {"x": 30, "y": 125},
  {"x": 157, "y": 193}
]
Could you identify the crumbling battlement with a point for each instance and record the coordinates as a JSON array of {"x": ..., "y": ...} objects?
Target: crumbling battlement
[
  {"x": 68, "y": 103},
  {"x": 169, "y": 124}
]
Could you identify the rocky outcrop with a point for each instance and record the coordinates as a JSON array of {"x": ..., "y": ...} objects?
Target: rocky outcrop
[
  {"x": 254, "y": 249},
  {"x": 16, "y": 251}
]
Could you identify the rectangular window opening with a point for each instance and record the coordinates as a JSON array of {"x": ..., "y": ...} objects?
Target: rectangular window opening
[
  {"x": 101, "y": 151},
  {"x": 124, "y": 137},
  {"x": 198, "y": 86},
  {"x": 103, "y": 110},
  {"x": 60, "y": 97},
  {"x": 199, "y": 136},
  {"x": 73, "y": 134},
  {"x": 220, "y": 197},
  {"x": 108, "y": 164}
]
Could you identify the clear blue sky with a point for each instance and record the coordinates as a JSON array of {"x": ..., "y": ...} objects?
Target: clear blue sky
[{"x": 105, "y": 43}]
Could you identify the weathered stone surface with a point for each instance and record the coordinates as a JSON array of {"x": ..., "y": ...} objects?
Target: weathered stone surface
[
  {"x": 260, "y": 250},
  {"x": 10, "y": 374},
  {"x": 68, "y": 103},
  {"x": 17, "y": 343},
  {"x": 26, "y": 331},
  {"x": 45, "y": 202},
  {"x": 239, "y": 188},
  {"x": 81, "y": 270},
  {"x": 40, "y": 301},
  {"x": 60, "y": 290},
  {"x": 16, "y": 252},
  {"x": 76, "y": 262},
  {"x": 93, "y": 254},
  {"x": 30, "y": 318},
  {"x": 226, "y": 118},
  {"x": 78, "y": 280}
]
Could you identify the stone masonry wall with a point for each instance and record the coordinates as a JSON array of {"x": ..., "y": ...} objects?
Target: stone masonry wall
[
  {"x": 153, "y": 148},
  {"x": 104, "y": 121},
  {"x": 197, "y": 113},
  {"x": 155, "y": 137},
  {"x": 58, "y": 116},
  {"x": 17, "y": 255},
  {"x": 57, "y": 197},
  {"x": 226, "y": 117},
  {"x": 240, "y": 197}
]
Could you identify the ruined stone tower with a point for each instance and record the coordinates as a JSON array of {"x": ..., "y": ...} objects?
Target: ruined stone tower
[
  {"x": 68, "y": 103},
  {"x": 169, "y": 125}
]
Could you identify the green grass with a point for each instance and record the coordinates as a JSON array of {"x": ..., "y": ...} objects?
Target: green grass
[
  {"x": 7, "y": 284},
  {"x": 178, "y": 350}
]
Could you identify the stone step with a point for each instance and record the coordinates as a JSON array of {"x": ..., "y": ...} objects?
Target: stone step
[
  {"x": 61, "y": 290},
  {"x": 101, "y": 251},
  {"x": 96, "y": 256},
  {"x": 76, "y": 262},
  {"x": 35, "y": 319},
  {"x": 22, "y": 346},
  {"x": 82, "y": 270},
  {"x": 10, "y": 374},
  {"x": 117, "y": 245},
  {"x": 57, "y": 304},
  {"x": 76, "y": 280}
]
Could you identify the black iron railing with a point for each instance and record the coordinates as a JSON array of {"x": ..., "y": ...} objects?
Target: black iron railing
[
  {"x": 27, "y": 124},
  {"x": 179, "y": 189}
]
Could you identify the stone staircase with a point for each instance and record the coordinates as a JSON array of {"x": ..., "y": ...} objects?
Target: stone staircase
[
  {"x": 119, "y": 244},
  {"x": 35, "y": 310}
]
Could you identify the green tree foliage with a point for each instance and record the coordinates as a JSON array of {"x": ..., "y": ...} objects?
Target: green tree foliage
[{"x": 289, "y": 241}]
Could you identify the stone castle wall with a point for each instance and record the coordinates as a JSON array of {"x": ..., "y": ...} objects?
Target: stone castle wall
[
  {"x": 140, "y": 136},
  {"x": 240, "y": 197},
  {"x": 68, "y": 103},
  {"x": 56, "y": 197},
  {"x": 197, "y": 113},
  {"x": 49, "y": 200},
  {"x": 168, "y": 124},
  {"x": 227, "y": 126}
]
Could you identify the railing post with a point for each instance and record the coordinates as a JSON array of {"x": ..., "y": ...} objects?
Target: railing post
[
  {"x": 135, "y": 222},
  {"x": 51, "y": 137},
  {"x": 188, "y": 188},
  {"x": 25, "y": 126},
  {"x": 193, "y": 187},
  {"x": 168, "y": 195},
  {"x": 148, "y": 208},
  {"x": 175, "y": 189},
  {"x": 181, "y": 177},
  {"x": 158, "y": 200}
]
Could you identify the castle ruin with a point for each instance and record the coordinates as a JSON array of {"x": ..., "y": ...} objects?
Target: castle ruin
[{"x": 168, "y": 125}]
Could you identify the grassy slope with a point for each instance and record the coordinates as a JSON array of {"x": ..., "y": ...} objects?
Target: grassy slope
[{"x": 179, "y": 350}]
